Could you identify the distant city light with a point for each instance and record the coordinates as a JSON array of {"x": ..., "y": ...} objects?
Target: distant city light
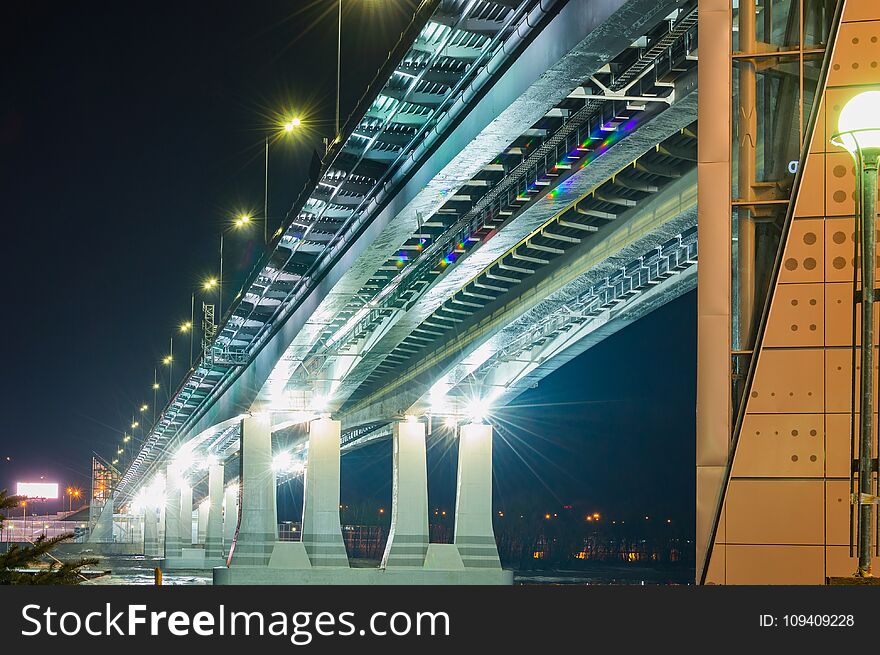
[{"x": 47, "y": 490}]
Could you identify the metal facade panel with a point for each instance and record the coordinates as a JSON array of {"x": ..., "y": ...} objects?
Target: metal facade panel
[
  {"x": 781, "y": 445},
  {"x": 797, "y": 316},
  {"x": 787, "y": 521},
  {"x": 773, "y": 511},
  {"x": 775, "y": 564}
]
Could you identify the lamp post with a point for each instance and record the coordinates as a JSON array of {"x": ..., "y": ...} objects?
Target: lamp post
[
  {"x": 241, "y": 221},
  {"x": 155, "y": 392},
  {"x": 188, "y": 327},
  {"x": 338, "y": 64},
  {"x": 168, "y": 360},
  {"x": 859, "y": 133},
  {"x": 288, "y": 126}
]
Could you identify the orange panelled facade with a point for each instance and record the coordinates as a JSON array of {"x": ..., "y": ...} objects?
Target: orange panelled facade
[{"x": 784, "y": 518}]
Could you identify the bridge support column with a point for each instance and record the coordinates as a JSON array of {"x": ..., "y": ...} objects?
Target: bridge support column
[
  {"x": 408, "y": 539},
  {"x": 230, "y": 516},
  {"x": 162, "y": 529},
  {"x": 474, "y": 535},
  {"x": 102, "y": 531},
  {"x": 186, "y": 511},
  {"x": 202, "y": 520},
  {"x": 173, "y": 482},
  {"x": 151, "y": 532},
  {"x": 321, "y": 530},
  {"x": 214, "y": 521},
  {"x": 258, "y": 525}
]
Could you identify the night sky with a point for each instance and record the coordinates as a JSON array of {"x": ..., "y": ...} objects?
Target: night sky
[{"x": 131, "y": 133}]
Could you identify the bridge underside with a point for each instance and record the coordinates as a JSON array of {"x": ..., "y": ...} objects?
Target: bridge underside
[{"x": 517, "y": 179}]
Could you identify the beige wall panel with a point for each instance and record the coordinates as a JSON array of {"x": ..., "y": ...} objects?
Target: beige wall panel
[
  {"x": 716, "y": 571},
  {"x": 775, "y": 565},
  {"x": 837, "y": 512},
  {"x": 788, "y": 381},
  {"x": 714, "y": 82},
  {"x": 840, "y": 185},
  {"x": 709, "y": 481},
  {"x": 713, "y": 432},
  {"x": 838, "y": 563},
  {"x": 714, "y": 227},
  {"x": 819, "y": 142},
  {"x": 857, "y": 48},
  {"x": 775, "y": 511},
  {"x": 796, "y": 316},
  {"x": 860, "y": 10},
  {"x": 838, "y": 379},
  {"x": 838, "y": 314},
  {"x": 839, "y": 249},
  {"x": 837, "y": 444},
  {"x": 810, "y": 201},
  {"x": 804, "y": 252},
  {"x": 780, "y": 445}
]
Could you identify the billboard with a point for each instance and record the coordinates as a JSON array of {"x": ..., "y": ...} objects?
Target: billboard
[{"x": 47, "y": 490}]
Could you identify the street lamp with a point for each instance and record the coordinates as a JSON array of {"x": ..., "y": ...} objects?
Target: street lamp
[
  {"x": 188, "y": 327},
  {"x": 168, "y": 361},
  {"x": 242, "y": 220},
  {"x": 155, "y": 392},
  {"x": 288, "y": 126},
  {"x": 859, "y": 133}
]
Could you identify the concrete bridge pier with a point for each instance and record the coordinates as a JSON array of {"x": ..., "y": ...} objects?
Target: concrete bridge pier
[
  {"x": 202, "y": 521},
  {"x": 258, "y": 523},
  {"x": 407, "y": 543},
  {"x": 172, "y": 512},
  {"x": 102, "y": 531},
  {"x": 474, "y": 536},
  {"x": 161, "y": 530},
  {"x": 151, "y": 532},
  {"x": 184, "y": 555},
  {"x": 321, "y": 530},
  {"x": 186, "y": 523},
  {"x": 230, "y": 516},
  {"x": 214, "y": 516}
]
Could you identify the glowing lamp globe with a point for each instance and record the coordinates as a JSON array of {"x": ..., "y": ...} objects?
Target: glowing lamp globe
[{"x": 859, "y": 124}]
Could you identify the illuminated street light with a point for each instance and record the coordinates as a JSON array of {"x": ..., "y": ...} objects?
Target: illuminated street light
[
  {"x": 135, "y": 425},
  {"x": 242, "y": 220},
  {"x": 292, "y": 124},
  {"x": 282, "y": 462},
  {"x": 186, "y": 327},
  {"x": 126, "y": 438},
  {"x": 144, "y": 407},
  {"x": 478, "y": 409},
  {"x": 209, "y": 284},
  {"x": 859, "y": 134},
  {"x": 167, "y": 360}
]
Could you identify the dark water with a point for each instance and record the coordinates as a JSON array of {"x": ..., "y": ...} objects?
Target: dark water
[{"x": 138, "y": 570}]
